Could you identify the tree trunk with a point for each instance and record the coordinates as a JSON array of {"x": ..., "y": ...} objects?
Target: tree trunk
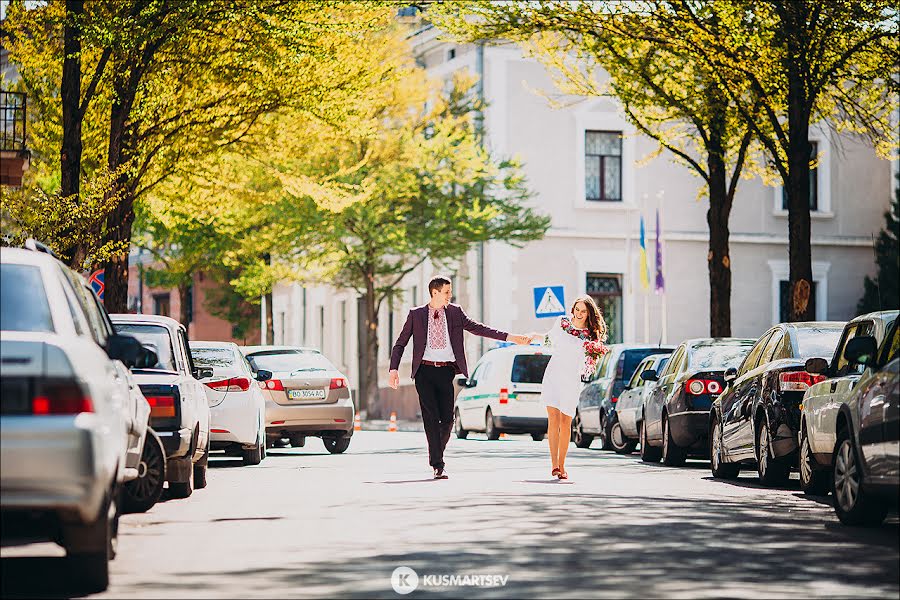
[
  {"x": 270, "y": 320},
  {"x": 121, "y": 218},
  {"x": 369, "y": 379},
  {"x": 718, "y": 258},
  {"x": 362, "y": 355},
  {"x": 184, "y": 304},
  {"x": 70, "y": 92},
  {"x": 802, "y": 298}
]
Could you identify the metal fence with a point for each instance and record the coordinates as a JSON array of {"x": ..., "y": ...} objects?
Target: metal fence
[{"x": 12, "y": 121}]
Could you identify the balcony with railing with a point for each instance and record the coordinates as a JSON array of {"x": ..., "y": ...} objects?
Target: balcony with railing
[{"x": 13, "y": 153}]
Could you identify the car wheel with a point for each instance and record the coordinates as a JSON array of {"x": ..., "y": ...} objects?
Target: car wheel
[
  {"x": 620, "y": 443},
  {"x": 200, "y": 468},
  {"x": 813, "y": 481},
  {"x": 139, "y": 495},
  {"x": 673, "y": 455},
  {"x": 336, "y": 445},
  {"x": 538, "y": 437},
  {"x": 297, "y": 441},
  {"x": 461, "y": 433},
  {"x": 605, "y": 433},
  {"x": 490, "y": 430},
  {"x": 853, "y": 505},
  {"x": 772, "y": 471},
  {"x": 720, "y": 468},
  {"x": 253, "y": 456},
  {"x": 649, "y": 454},
  {"x": 579, "y": 437},
  {"x": 91, "y": 568}
]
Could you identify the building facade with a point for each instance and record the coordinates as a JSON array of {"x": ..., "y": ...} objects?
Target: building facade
[{"x": 587, "y": 167}]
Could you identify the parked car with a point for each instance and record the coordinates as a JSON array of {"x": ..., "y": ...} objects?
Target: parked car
[
  {"x": 823, "y": 401},
  {"x": 596, "y": 412},
  {"x": 66, "y": 415},
  {"x": 756, "y": 419},
  {"x": 866, "y": 475},
  {"x": 675, "y": 420},
  {"x": 306, "y": 396},
  {"x": 146, "y": 463},
  {"x": 503, "y": 394},
  {"x": 237, "y": 413},
  {"x": 179, "y": 410},
  {"x": 630, "y": 407}
]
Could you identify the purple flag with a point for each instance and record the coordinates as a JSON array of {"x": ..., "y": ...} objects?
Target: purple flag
[{"x": 660, "y": 282}]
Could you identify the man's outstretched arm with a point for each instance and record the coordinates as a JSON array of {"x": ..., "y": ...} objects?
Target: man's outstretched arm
[
  {"x": 489, "y": 332},
  {"x": 397, "y": 351}
]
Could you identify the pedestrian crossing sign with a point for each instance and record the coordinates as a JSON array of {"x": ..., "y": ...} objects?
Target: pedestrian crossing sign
[{"x": 549, "y": 301}]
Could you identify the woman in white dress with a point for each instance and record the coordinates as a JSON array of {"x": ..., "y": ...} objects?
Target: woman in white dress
[{"x": 562, "y": 379}]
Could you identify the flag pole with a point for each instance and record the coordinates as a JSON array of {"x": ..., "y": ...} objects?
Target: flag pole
[{"x": 663, "y": 316}]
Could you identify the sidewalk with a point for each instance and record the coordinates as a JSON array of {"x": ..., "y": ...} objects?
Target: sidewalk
[{"x": 382, "y": 425}]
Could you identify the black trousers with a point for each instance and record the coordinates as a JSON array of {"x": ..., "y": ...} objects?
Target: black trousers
[{"x": 435, "y": 388}]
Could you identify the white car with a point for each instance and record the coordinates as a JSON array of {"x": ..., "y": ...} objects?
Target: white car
[
  {"x": 630, "y": 406},
  {"x": 823, "y": 401},
  {"x": 179, "y": 410},
  {"x": 503, "y": 394},
  {"x": 67, "y": 414},
  {"x": 237, "y": 413}
]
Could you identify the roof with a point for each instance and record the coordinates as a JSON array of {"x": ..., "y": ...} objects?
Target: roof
[
  {"x": 880, "y": 315},
  {"x": 153, "y": 319},
  {"x": 815, "y": 324},
  {"x": 719, "y": 340},
  {"x": 212, "y": 344},
  {"x": 23, "y": 256}
]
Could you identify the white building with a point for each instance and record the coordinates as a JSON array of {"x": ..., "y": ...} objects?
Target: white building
[{"x": 592, "y": 245}]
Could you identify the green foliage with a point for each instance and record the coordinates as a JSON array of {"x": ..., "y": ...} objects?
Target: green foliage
[{"x": 883, "y": 292}]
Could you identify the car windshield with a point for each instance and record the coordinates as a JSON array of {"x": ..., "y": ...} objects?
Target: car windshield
[
  {"x": 289, "y": 360},
  {"x": 529, "y": 368},
  {"x": 631, "y": 359},
  {"x": 719, "y": 356},
  {"x": 818, "y": 341},
  {"x": 221, "y": 358},
  {"x": 23, "y": 300},
  {"x": 155, "y": 337}
]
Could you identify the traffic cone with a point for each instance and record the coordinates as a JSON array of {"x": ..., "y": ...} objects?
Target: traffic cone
[
  {"x": 503, "y": 436},
  {"x": 393, "y": 425},
  {"x": 357, "y": 423}
]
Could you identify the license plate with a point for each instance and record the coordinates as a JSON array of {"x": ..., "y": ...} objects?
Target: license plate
[{"x": 306, "y": 394}]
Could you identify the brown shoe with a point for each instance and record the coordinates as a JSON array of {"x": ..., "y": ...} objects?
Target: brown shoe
[{"x": 440, "y": 474}]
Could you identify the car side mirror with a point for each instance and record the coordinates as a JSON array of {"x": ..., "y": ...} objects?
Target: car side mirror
[
  {"x": 203, "y": 372},
  {"x": 861, "y": 350},
  {"x": 816, "y": 366},
  {"x": 124, "y": 348},
  {"x": 650, "y": 375},
  {"x": 263, "y": 375},
  {"x": 147, "y": 360},
  {"x": 730, "y": 374}
]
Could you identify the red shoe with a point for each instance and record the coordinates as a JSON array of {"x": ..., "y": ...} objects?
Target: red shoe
[
  {"x": 563, "y": 475},
  {"x": 554, "y": 472}
]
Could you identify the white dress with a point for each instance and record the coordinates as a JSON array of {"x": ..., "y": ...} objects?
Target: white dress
[{"x": 562, "y": 379}]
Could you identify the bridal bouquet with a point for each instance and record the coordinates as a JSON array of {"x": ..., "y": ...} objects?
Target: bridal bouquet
[{"x": 593, "y": 350}]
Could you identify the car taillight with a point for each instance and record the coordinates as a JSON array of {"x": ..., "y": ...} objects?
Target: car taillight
[
  {"x": 235, "y": 384},
  {"x": 338, "y": 383},
  {"x": 504, "y": 396},
  {"x": 274, "y": 384},
  {"x": 696, "y": 387},
  {"x": 61, "y": 399},
  {"x": 161, "y": 406},
  {"x": 798, "y": 381}
]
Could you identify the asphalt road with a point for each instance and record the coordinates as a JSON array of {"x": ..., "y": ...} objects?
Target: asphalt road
[{"x": 305, "y": 523}]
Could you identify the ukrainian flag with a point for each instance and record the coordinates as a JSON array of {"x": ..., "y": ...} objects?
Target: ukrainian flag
[{"x": 645, "y": 271}]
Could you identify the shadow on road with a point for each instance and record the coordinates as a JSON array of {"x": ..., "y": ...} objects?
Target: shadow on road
[{"x": 27, "y": 577}]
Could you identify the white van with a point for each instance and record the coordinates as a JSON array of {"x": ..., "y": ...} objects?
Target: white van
[{"x": 503, "y": 394}]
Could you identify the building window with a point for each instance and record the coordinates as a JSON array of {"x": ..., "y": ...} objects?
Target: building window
[
  {"x": 189, "y": 302},
  {"x": 162, "y": 304},
  {"x": 781, "y": 289},
  {"x": 606, "y": 290},
  {"x": 813, "y": 181},
  {"x": 603, "y": 166},
  {"x": 451, "y": 54}
]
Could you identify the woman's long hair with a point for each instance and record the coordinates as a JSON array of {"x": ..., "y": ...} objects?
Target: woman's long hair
[{"x": 596, "y": 324}]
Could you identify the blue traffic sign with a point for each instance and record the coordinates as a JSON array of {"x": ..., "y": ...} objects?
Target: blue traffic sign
[
  {"x": 549, "y": 301},
  {"x": 96, "y": 281}
]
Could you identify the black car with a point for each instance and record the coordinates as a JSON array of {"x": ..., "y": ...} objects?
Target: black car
[
  {"x": 675, "y": 419},
  {"x": 866, "y": 476},
  {"x": 596, "y": 412},
  {"x": 757, "y": 417}
]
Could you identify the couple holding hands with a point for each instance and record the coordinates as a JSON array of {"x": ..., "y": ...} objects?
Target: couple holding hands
[{"x": 438, "y": 356}]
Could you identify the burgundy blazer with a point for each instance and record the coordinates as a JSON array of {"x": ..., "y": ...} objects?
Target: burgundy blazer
[{"x": 417, "y": 326}]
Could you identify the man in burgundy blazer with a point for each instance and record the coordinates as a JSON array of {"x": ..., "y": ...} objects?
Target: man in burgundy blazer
[{"x": 438, "y": 355}]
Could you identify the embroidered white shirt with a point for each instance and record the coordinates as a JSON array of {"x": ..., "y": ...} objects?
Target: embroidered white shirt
[{"x": 437, "y": 348}]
